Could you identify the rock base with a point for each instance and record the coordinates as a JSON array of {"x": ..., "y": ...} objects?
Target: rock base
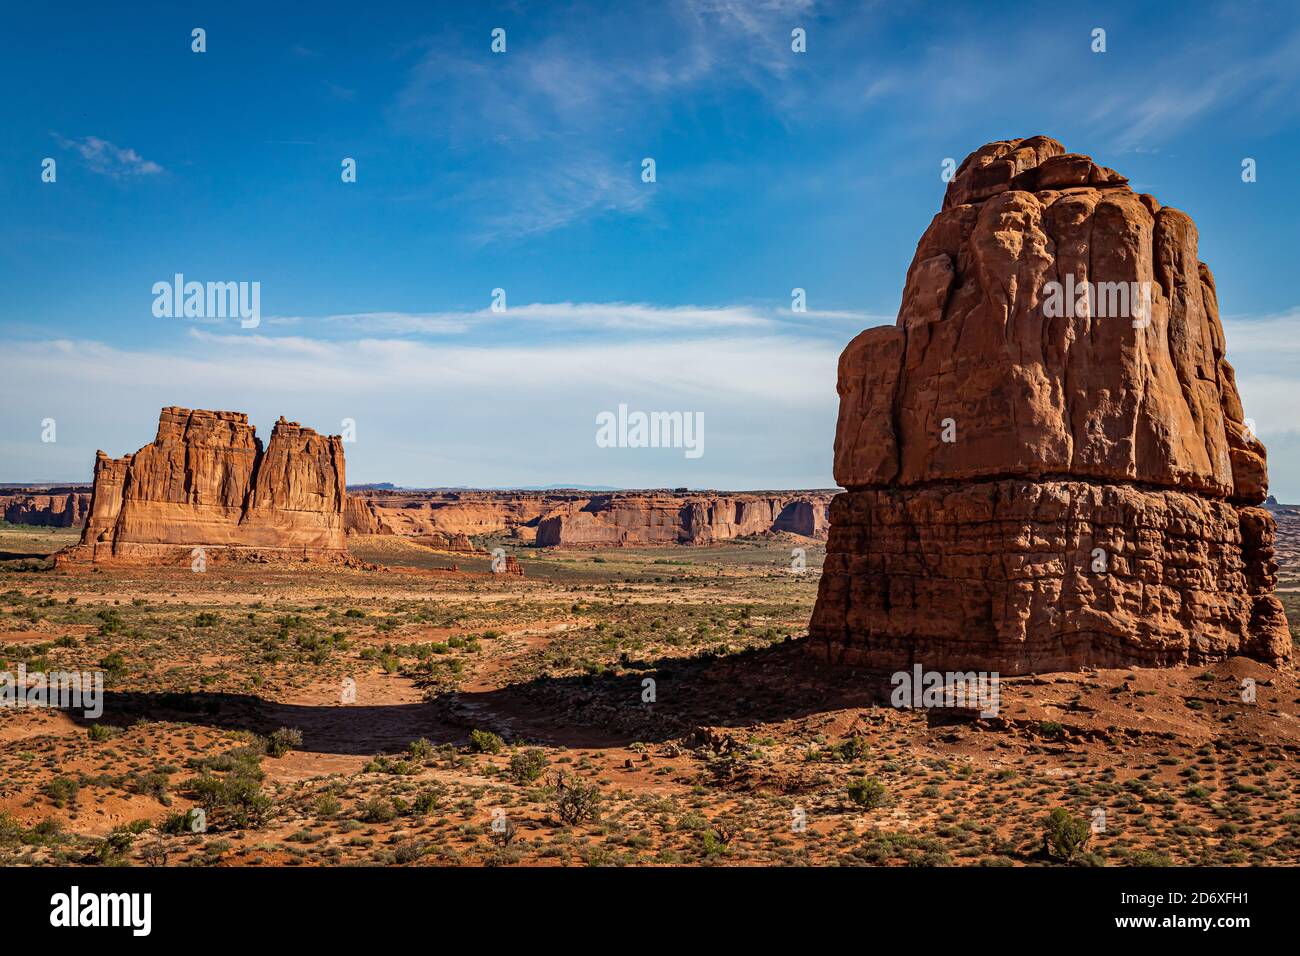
[{"x": 1019, "y": 576}]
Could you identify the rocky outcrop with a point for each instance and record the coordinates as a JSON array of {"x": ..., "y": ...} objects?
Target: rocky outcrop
[
  {"x": 1046, "y": 457},
  {"x": 47, "y": 507},
  {"x": 206, "y": 482},
  {"x": 627, "y": 520},
  {"x": 508, "y": 564},
  {"x": 581, "y": 519},
  {"x": 468, "y": 513}
]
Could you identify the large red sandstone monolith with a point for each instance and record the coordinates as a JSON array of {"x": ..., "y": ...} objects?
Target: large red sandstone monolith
[
  {"x": 1044, "y": 469},
  {"x": 206, "y": 482}
]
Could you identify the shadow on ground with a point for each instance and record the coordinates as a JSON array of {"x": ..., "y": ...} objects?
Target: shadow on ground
[{"x": 765, "y": 685}]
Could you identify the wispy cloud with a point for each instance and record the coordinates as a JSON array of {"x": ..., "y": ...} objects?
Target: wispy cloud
[
  {"x": 430, "y": 413},
  {"x": 569, "y": 120},
  {"x": 104, "y": 158},
  {"x": 628, "y": 318}
]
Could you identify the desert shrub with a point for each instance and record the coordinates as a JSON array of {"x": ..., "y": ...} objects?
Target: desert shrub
[
  {"x": 115, "y": 848},
  {"x": 282, "y": 741},
  {"x": 230, "y": 789},
  {"x": 409, "y": 852},
  {"x": 327, "y": 805},
  {"x": 1064, "y": 834},
  {"x": 575, "y": 800},
  {"x": 1050, "y": 729},
  {"x": 385, "y": 764},
  {"x": 527, "y": 766},
  {"x": 421, "y": 749},
  {"x": 377, "y": 810},
  {"x": 486, "y": 742},
  {"x": 426, "y": 801},
  {"x": 113, "y": 665},
  {"x": 62, "y": 791},
  {"x": 868, "y": 792},
  {"x": 207, "y": 619},
  {"x": 178, "y": 824},
  {"x": 851, "y": 748},
  {"x": 100, "y": 732}
]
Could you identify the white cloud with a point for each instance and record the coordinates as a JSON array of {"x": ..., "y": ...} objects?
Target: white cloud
[
  {"x": 434, "y": 414},
  {"x": 103, "y": 157},
  {"x": 607, "y": 316}
]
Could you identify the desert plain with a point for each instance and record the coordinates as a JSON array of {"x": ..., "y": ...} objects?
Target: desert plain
[{"x": 608, "y": 707}]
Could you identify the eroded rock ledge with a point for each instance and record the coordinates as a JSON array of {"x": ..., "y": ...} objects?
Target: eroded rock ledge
[{"x": 1031, "y": 490}]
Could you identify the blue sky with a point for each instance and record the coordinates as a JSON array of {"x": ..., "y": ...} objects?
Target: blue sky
[{"x": 521, "y": 171}]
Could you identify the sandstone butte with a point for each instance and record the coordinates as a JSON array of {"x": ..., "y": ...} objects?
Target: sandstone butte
[
  {"x": 206, "y": 482},
  {"x": 447, "y": 520},
  {"x": 1028, "y": 491}
]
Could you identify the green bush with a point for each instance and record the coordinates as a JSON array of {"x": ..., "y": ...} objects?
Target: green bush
[
  {"x": 282, "y": 741},
  {"x": 486, "y": 742},
  {"x": 527, "y": 766},
  {"x": 421, "y": 749},
  {"x": 377, "y": 810},
  {"x": 868, "y": 792},
  {"x": 1064, "y": 834}
]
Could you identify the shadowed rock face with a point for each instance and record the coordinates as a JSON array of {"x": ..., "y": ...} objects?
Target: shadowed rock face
[
  {"x": 55, "y": 508},
  {"x": 207, "y": 482},
  {"x": 1046, "y": 457}
]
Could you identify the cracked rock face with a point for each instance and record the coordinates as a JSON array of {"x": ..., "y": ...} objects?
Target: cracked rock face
[
  {"x": 1047, "y": 461},
  {"x": 207, "y": 482}
]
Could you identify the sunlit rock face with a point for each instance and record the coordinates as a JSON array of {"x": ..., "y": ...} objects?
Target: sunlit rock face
[
  {"x": 1046, "y": 459},
  {"x": 207, "y": 482}
]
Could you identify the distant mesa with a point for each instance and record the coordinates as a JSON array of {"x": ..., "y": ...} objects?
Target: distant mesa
[
  {"x": 1047, "y": 461},
  {"x": 206, "y": 482},
  {"x": 579, "y": 519}
]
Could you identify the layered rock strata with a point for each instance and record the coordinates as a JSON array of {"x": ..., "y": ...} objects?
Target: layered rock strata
[
  {"x": 207, "y": 482},
  {"x": 1046, "y": 458},
  {"x": 50, "y": 508}
]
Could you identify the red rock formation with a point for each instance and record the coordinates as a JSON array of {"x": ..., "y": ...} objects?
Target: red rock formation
[
  {"x": 632, "y": 520},
  {"x": 443, "y": 541},
  {"x": 206, "y": 482},
  {"x": 576, "y": 518},
  {"x": 415, "y": 513},
  {"x": 509, "y": 564},
  {"x": 1038, "y": 478},
  {"x": 47, "y": 507}
]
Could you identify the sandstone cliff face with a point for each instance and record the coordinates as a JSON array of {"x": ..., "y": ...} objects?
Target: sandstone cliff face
[
  {"x": 206, "y": 482},
  {"x": 452, "y": 513},
  {"x": 50, "y": 508},
  {"x": 573, "y": 518},
  {"x": 623, "y": 520},
  {"x": 1058, "y": 329}
]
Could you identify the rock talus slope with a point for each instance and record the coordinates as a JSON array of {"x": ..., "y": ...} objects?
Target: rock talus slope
[
  {"x": 206, "y": 481},
  {"x": 1046, "y": 459}
]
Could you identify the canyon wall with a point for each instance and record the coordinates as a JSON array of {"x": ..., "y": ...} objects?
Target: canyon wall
[
  {"x": 47, "y": 507},
  {"x": 446, "y": 520},
  {"x": 1046, "y": 459},
  {"x": 624, "y": 520},
  {"x": 207, "y": 482}
]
